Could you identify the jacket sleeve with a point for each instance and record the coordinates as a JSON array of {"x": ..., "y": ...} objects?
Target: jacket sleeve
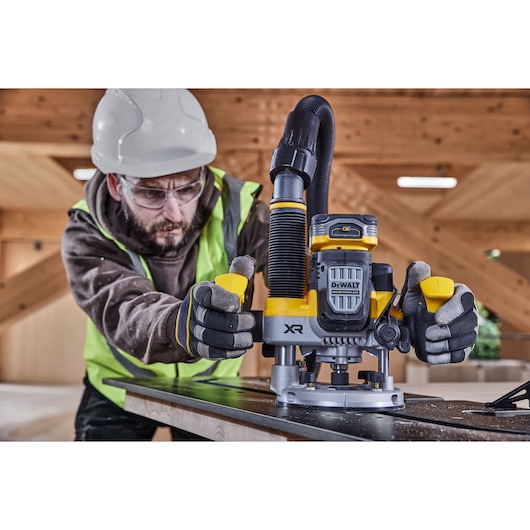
[{"x": 122, "y": 304}]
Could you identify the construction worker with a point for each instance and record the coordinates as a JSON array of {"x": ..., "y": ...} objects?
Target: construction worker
[
  {"x": 157, "y": 220},
  {"x": 157, "y": 225}
]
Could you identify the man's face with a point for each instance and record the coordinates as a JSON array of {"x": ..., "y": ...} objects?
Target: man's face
[{"x": 160, "y": 210}]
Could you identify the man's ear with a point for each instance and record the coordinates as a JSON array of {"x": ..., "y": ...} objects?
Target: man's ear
[{"x": 112, "y": 185}]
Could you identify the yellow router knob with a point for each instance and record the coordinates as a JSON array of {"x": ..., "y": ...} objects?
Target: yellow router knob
[
  {"x": 437, "y": 290},
  {"x": 235, "y": 283}
]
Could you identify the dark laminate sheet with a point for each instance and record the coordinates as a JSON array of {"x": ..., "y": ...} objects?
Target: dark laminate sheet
[{"x": 250, "y": 401}]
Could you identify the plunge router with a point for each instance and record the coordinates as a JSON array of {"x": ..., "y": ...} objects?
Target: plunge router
[{"x": 327, "y": 298}]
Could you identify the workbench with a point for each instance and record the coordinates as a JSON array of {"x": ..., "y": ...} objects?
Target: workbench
[{"x": 245, "y": 409}]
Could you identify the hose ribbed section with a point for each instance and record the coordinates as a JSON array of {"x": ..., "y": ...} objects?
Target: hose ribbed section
[
  {"x": 287, "y": 253},
  {"x": 301, "y": 161}
]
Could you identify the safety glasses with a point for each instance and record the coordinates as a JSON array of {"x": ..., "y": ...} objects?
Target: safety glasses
[{"x": 155, "y": 198}]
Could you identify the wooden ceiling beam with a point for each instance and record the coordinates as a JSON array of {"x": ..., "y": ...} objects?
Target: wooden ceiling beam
[
  {"x": 50, "y": 149},
  {"x": 35, "y": 287},
  {"x": 508, "y": 236},
  {"x": 490, "y": 191},
  {"x": 457, "y": 126},
  {"x": 49, "y": 115},
  {"x": 36, "y": 181},
  {"x": 425, "y": 126},
  {"x": 32, "y": 225}
]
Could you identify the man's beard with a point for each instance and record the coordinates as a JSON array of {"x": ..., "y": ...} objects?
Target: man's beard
[{"x": 149, "y": 236}]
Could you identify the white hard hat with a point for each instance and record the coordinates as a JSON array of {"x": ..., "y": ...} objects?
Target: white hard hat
[{"x": 150, "y": 132}]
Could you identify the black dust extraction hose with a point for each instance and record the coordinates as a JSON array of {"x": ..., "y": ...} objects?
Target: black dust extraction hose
[{"x": 301, "y": 161}]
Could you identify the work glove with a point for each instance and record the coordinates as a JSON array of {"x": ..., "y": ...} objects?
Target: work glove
[
  {"x": 210, "y": 324},
  {"x": 447, "y": 335}
]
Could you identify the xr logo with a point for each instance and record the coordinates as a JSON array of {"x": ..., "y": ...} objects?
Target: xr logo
[{"x": 293, "y": 328}]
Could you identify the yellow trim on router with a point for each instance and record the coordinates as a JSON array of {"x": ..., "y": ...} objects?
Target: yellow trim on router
[
  {"x": 292, "y": 307},
  {"x": 396, "y": 313},
  {"x": 379, "y": 300},
  {"x": 288, "y": 204},
  {"x": 326, "y": 243}
]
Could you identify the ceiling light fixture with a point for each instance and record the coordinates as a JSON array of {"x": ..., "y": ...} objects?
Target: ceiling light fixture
[
  {"x": 427, "y": 182},
  {"x": 84, "y": 174}
]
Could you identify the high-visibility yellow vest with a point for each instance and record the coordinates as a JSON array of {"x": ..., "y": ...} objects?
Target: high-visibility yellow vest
[{"x": 217, "y": 247}]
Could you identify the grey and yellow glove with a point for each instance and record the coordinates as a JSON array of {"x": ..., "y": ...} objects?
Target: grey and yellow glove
[
  {"x": 446, "y": 331},
  {"x": 210, "y": 323}
]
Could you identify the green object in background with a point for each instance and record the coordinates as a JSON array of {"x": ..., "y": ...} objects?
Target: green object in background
[{"x": 488, "y": 342}]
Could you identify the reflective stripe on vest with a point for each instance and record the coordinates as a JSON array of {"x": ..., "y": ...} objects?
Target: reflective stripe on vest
[{"x": 223, "y": 226}]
